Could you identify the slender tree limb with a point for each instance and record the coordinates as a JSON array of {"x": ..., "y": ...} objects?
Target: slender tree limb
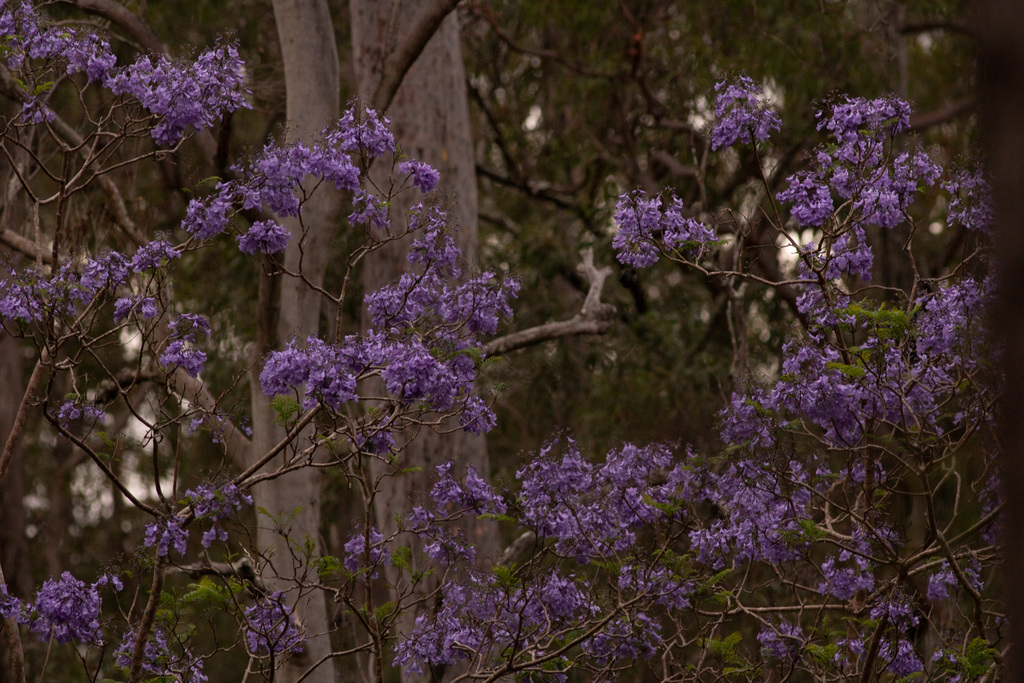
[
  {"x": 404, "y": 56},
  {"x": 486, "y": 13},
  {"x": 126, "y": 19},
  {"x": 241, "y": 570},
  {"x": 23, "y": 245},
  {"x": 928, "y": 119},
  {"x": 19, "y": 421},
  {"x": 146, "y": 623},
  {"x": 673, "y": 165},
  {"x": 531, "y": 188},
  {"x": 236, "y": 443},
  {"x": 594, "y": 316}
]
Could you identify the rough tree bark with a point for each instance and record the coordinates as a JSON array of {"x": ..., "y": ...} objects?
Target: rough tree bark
[
  {"x": 289, "y": 309},
  {"x": 429, "y": 115}
]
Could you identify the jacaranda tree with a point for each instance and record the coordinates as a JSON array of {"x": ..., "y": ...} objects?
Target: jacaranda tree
[{"x": 845, "y": 530}]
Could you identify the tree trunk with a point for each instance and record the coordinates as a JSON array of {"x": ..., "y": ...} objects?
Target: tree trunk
[
  {"x": 430, "y": 119},
  {"x": 1001, "y": 84},
  {"x": 290, "y": 309}
]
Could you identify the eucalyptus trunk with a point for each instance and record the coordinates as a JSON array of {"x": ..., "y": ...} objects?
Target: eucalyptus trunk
[
  {"x": 289, "y": 532},
  {"x": 429, "y": 115}
]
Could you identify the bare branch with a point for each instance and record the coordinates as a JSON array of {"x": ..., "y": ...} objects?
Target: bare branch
[
  {"x": 401, "y": 60},
  {"x": 242, "y": 570},
  {"x": 23, "y": 245},
  {"x": 19, "y": 421},
  {"x": 594, "y": 317},
  {"x": 195, "y": 392},
  {"x": 673, "y": 165},
  {"x": 934, "y": 118},
  {"x": 518, "y": 547},
  {"x": 126, "y": 19}
]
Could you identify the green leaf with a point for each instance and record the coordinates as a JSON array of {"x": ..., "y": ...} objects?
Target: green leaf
[
  {"x": 976, "y": 657},
  {"x": 327, "y": 566},
  {"x": 286, "y": 408},
  {"x": 207, "y": 590},
  {"x": 854, "y": 371},
  {"x": 401, "y": 557},
  {"x": 473, "y": 352},
  {"x": 725, "y": 649},
  {"x": 505, "y": 576},
  {"x": 384, "y": 611}
]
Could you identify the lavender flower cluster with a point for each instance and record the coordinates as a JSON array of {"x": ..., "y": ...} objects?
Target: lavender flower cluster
[
  {"x": 65, "y": 610},
  {"x": 177, "y": 95}
]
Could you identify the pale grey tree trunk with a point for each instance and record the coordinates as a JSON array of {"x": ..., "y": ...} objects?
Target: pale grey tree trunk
[
  {"x": 290, "y": 309},
  {"x": 430, "y": 118}
]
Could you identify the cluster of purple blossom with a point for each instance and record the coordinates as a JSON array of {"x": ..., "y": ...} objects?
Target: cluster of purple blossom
[
  {"x": 160, "y": 659},
  {"x": 425, "y": 342},
  {"x": 742, "y": 114},
  {"x": 213, "y": 504},
  {"x": 179, "y": 95},
  {"x": 65, "y": 610},
  {"x": 270, "y": 627},
  {"x": 645, "y": 227},
  {"x": 75, "y": 408},
  {"x": 209, "y": 503}
]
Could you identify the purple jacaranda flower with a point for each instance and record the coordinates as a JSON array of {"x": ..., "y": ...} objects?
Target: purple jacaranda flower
[
  {"x": 66, "y": 610},
  {"x": 164, "y": 533},
  {"x": 742, "y": 114},
  {"x": 268, "y": 237},
  {"x": 423, "y": 176},
  {"x": 357, "y": 553},
  {"x": 159, "y": 659},
  {"x": 271, "y": 628}
]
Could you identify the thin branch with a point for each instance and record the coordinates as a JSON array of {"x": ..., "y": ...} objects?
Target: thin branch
[
  {"x": 241, "y": 570},
  {"x": 181, "y": 383},
  {"x": 146, "y": 623},
  {"x": 531, "y": 188},
  {"x": 594, "y": 316},
  {"x": 401, "y": 59},
  {"x": 673, "y": 165},
  {"x": 486, "y": 13}
]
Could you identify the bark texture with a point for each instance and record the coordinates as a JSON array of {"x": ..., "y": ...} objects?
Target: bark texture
[
  {"x": 429, "y": 115},
  {"x": 1001, "y": 96},
  {"x": 290, "y": 309}
]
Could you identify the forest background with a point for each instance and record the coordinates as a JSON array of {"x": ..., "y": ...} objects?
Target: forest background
[{"x": 538, "y": 116}]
